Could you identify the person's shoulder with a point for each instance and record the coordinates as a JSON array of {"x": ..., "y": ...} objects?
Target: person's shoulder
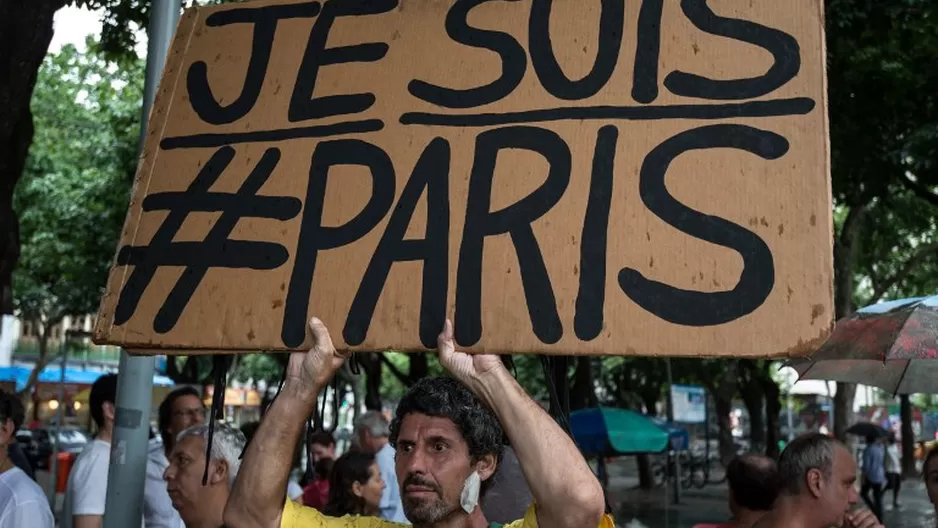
[
  {"x": 95, "y": 453},
  {"x": 299, "y": 516},
  {"x": 530, "y": 520},
  {"x": 25, "y": 488},
  {"x": 94, "y": 458}
]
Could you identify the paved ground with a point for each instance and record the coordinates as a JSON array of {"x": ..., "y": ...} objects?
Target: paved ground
[{"x": 652, "y": 509}]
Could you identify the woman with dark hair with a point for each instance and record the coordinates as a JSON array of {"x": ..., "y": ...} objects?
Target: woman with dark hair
[{"x": 355, "y": 486}]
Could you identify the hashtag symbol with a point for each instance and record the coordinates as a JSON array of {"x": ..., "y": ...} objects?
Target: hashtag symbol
[{"x": 216, "y": 250}]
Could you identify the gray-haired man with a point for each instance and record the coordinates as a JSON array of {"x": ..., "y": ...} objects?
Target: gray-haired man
[
  {"x": 203, "y": 506},
  {"x": 372, "y": 432},
  {"x": 817, "y": 478}
]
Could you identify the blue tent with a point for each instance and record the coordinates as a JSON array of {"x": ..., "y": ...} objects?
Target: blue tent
[{"x": 53, "y": 374}]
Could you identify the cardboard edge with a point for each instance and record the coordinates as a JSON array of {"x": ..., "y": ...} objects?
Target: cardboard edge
[
  {"x": 157, "y": 119},
  {"x": 822, "y": 25}
]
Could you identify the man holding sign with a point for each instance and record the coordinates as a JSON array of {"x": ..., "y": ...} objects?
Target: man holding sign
[{"x": 448, "y": 437}]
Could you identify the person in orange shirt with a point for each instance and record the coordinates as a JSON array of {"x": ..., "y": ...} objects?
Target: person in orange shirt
[{"x": 448, "y": 435}]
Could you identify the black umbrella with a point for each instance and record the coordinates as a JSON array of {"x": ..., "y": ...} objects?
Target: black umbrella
[{"x": 867, "y": 429}]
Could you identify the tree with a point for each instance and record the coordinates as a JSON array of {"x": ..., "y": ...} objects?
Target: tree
[
  {"x": 257, "y": 368},
  {"x": 73, "y": 195},
  {"x": 883, "y": 121},
  {"x": 25, "y": 33}
]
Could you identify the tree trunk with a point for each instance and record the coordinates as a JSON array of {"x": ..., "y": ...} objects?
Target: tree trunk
[
  {"x": 723, "y": 406},
  {"x": 646, "y": 479},
  {"x": 755, "y": 405},
  {"x": 773, "y": 410},
  {"x": 843, "y": 409},
  {"x": 582, "y": 392},
  {"x": 42, "y": 360},
  {"x": 750, "y": 390},
  {"x": 419, "y": 368},
  {"x": 25, "y": 33},
  {"x": 908, "y": 437},
  {"x": 846, "y": 251}
]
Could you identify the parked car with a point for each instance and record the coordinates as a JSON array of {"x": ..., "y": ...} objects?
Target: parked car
[{"x": 40, "y": 446}]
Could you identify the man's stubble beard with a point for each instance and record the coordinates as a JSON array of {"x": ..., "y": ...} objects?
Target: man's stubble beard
[{"x": 425, "y": 514}]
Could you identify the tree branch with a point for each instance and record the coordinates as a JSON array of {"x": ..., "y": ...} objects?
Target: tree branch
[
  {"x": 403, "y": 378},
  {"x": 883, "y": 287},
  {"x": 920, "y": 190}
]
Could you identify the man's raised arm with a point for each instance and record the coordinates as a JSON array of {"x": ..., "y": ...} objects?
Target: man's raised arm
[
  {"x": 259, "y": 493},
  {"x": 565, "y": 490}
]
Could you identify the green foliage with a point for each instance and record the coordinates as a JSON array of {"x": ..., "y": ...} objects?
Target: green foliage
[
  {"x": 124, "y": 18},
  {"x": 257, "y": 367},
  {"x": 882, "y": 97},
  {"x": 72, "y": 197}
]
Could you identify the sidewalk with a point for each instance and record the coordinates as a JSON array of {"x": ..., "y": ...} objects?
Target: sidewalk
[{"x": 709, "y": 505}]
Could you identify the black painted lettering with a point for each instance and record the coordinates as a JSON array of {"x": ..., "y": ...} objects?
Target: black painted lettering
[
  {"x": 588, "y": 321},
  {"x": 545, "y": 63},
  {"x": 514, "y": 63},
  {"x": 265, "y": 21},
  {"x": 315, "y": 237},
  {"x": 216, "y": 250},
  {"x": 647, "y": 50},
  {"x": 694, "y": 308},
  {"x": 302, "y": 105},
  {"x": 430, "y": 173},
  {"x": 783, "y": 47},
  {"x": 516, "y": 220}
]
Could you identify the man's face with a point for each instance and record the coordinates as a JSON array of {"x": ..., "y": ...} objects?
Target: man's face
[
  {"x": 319, "y": 452},
  {"x": 184, "y": 477},
  {"x": 931, "y": 481},
  {"x": 432, "y": 464},
  {"x": 187, "y": 410},
  {"x": 838, "y": 494}
]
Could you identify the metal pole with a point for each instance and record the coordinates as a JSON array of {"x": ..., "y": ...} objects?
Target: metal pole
[
  {"x": 677, "y": 456},
  {"x": 127, "y": 471},
  {"x": 59, "y": 417},
  {"x": 791, "y": 424}
]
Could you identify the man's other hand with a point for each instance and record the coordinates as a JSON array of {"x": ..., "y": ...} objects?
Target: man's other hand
[
  {"x": 309, "y": 371},
  {"x": 467, "y": 368},
  {"x": 862, "y": 518}
]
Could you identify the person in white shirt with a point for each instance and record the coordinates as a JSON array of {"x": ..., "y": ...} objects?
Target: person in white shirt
[
  {"x": 181, "y": 409},
  {"x": 22, "y": 502},
  {"x": 893, "y": 469},
  {"x": 203, "y": 505},
  {"x": 372, "y": 431},
  {"x": 86, "y": 492}
]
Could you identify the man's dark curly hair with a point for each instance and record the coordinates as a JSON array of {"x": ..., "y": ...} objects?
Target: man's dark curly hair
[{"x": 445, "y": 397}]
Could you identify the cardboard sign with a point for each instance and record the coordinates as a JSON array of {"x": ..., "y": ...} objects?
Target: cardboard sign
[{"x": 560, "y": 177}]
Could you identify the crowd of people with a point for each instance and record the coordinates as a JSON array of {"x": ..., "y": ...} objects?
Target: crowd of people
[{"x": 470, "y": 450}]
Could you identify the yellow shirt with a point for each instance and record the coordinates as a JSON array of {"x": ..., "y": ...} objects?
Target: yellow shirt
[{"x": 297, "y": 516}]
